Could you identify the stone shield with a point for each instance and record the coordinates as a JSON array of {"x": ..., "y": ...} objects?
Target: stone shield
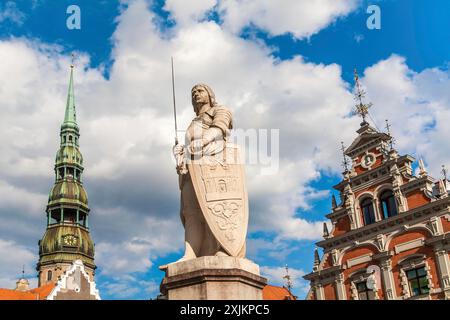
[{"x": 220, "y": 186}]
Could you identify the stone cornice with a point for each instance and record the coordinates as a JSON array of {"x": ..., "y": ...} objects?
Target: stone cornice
[
  {"x": 337, "y": 213},
  {"x": 440, "y": 239},
  {"x": 417, "y": 183},
  {"x": 385, "y": 225},
  {"x": 324, "y": 274}
]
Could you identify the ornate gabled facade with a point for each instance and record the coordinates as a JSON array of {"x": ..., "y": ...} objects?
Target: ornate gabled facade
[
  {"x": 390, "y": 230},
  {"x": 67, "y": 237}
]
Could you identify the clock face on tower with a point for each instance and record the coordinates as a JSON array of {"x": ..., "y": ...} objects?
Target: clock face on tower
[{"x": 70, "y": 240}]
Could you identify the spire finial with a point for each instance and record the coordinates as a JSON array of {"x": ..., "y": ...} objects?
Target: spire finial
[
  {"x": 388, "y": 129},
  {"x": 422, "y": 169},
  {"x": 360, "y": 108},
  {"x": 444, "y": 174},
  {"x": 326, "y": 234},
  {"x": 23, "y": 271},
  {"x": 72, "y": 65},
  {"x": 288, "y": 279},
  {"x": 316, "y": 260},
  {"x": 333, "y": 202},
  {"x": 70, "y": 117},
  {"x": 344, "y": 162}
]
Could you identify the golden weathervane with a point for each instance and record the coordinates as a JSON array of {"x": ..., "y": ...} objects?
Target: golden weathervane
[{"x": 360, "y": 108}]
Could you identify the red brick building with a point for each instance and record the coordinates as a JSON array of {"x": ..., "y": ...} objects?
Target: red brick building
[{"x": 391, "y": 229}]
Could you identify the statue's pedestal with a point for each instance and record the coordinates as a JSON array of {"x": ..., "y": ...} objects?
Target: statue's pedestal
[{"x": 213, "y": 278}]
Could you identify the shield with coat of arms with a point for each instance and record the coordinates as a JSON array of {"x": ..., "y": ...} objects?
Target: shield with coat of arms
[{"x": 220, "y": 186}]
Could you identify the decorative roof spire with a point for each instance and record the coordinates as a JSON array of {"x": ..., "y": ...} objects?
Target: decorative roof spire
[
  {"x": 422, "y": 169},
  {"x": 344, "y": 162},
  {"x": 70, "y": 117},
  {"x": 22, "y": 284},
  {"x": 316, "y": 259},
  {"x": 361, "y": 108},
  {"x": 288, "y": 279},
  {"x": 333, "y": 202},
  {"x": 388, "y": 129},
  {"x": 444, "y": 175},
  {"x": 326, "y": 234}
]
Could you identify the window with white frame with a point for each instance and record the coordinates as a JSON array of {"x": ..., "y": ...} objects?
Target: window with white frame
[
  {"x": 388, "y": 207},
  {"x": 415, "y": 276},
  {"x": 418, "y": 281}
]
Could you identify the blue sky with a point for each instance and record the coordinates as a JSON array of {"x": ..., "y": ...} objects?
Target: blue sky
[{"x": 414, "y": 37}]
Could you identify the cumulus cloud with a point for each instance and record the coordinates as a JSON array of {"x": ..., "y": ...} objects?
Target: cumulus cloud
[
  {"x": 417, "y": 105},
  {"x": 125, "y": 287},
  {"x": 14, "y": 257},
  {"x": 184, "y": 13},
  {"x": 300, "y": 18}
]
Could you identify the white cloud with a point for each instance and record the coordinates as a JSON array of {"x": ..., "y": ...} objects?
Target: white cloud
[
  {"x": 417, "y": 105},
  {"x": 10, "y": 12},
  {"x": 300, "y": 18},
  {"x": 188, "y": 12},
  {"x": 13, "y": 257},
  {"x": 127, "y": 287}
]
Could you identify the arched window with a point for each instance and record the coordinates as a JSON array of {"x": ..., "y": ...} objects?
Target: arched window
[
  {"x": 387, "y": 203},
  {"x": 49, "y": 275},
  {"x": 368, "y": 211}
]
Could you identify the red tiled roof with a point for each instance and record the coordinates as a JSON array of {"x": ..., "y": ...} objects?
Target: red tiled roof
[
  {"x": 277, "y": 293},
  {"x": 39, "y": 293}
]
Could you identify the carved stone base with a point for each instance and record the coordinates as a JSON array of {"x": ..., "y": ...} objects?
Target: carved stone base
[{"x": 212, "y": 278}]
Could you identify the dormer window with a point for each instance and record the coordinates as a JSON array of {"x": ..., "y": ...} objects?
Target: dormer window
[
  {"x": 368, "y": 211},
  {"x": 388, "y": 205}
]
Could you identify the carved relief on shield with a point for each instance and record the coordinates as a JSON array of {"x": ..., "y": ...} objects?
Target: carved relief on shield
[{"x": 227, "y": 217}]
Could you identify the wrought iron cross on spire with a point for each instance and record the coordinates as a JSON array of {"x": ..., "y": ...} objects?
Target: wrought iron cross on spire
[
  {"x": 73, "y": 60},
  {"x": 360, "y": 108}
]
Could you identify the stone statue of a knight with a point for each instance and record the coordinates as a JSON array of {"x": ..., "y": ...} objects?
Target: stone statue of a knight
[{"x": 214, "y": 203}]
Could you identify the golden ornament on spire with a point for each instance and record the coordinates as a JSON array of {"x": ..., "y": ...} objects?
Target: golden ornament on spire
[
  {"x": 360, "y": 108},
  {"x": 73, "y": 60}
]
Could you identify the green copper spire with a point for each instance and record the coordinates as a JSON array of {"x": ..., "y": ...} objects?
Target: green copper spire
[
  {"x": 70, "y": 117},
  {"x": 67, "y": 237}
]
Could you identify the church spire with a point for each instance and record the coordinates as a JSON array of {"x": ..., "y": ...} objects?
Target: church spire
[
  {"x": 70, "y": 117},
  {"x": 67, "y": 237}
]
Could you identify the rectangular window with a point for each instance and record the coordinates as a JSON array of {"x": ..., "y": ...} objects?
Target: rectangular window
[
  {"x": 418, "y": 282},
  {"x": 364, "y": 293}
]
